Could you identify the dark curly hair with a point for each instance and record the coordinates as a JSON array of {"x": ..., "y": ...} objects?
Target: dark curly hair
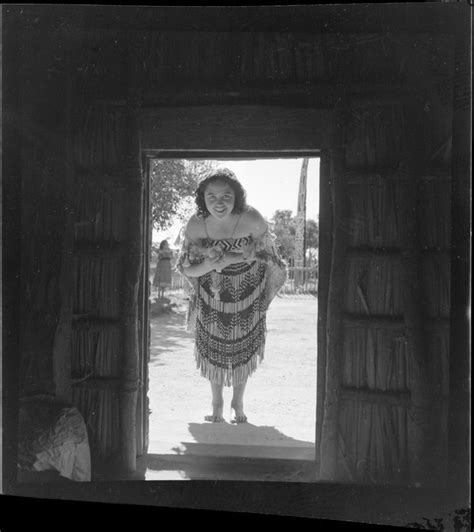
[{"x": 226, "y": 176}]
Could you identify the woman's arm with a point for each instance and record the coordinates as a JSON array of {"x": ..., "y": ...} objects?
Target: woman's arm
[
  {"x": 197, "y": 270},
  {"x": 210, "y": 264},
  {"x": 255, "y": 223}
]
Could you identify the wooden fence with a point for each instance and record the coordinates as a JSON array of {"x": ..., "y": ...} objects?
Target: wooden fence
[{"x": 301, "y": 280}]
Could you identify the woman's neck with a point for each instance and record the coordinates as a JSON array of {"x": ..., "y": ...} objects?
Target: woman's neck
[{"x": 221, "y": 229}]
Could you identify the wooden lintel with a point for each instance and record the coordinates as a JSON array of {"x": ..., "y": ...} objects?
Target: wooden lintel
[
  {"x": 316, "y": 93},
  {"x": 235, "y": 128}
]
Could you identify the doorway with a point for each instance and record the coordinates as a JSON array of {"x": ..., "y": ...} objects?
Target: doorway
[{"x": 278, "y": 442}]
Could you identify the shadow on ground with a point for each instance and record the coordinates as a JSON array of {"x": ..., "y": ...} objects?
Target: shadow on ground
[{"x": 248, "y": 434}]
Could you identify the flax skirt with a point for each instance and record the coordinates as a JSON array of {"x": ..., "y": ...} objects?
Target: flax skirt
[{"x": 230, "y": 322}]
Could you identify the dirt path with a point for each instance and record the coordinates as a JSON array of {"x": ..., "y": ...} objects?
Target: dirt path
[{"x": 280, "y": 396}]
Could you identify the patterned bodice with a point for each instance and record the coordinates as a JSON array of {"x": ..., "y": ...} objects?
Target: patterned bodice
[{"x": 228, "y": 244}]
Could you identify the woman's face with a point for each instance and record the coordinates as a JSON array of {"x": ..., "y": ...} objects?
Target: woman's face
[{"x": 220, "y": 199}]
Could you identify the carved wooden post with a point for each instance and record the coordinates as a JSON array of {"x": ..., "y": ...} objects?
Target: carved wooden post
[
  {"x": 334, "y": 329},
  {"x": 300, "y": 248},
  {"x": 324, "y": 273}
]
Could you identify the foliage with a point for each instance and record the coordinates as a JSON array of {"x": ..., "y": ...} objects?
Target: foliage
[
  {"x": 284, "y": 227},
  {"x": 173, "y": 182}
]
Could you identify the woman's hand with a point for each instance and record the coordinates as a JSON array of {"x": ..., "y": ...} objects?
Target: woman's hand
[{"x": 227, "y": 260}]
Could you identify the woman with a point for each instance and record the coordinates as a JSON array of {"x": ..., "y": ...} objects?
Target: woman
[
  {"x": 230, "y": 259},
  {"x": 162, "y": 277}
]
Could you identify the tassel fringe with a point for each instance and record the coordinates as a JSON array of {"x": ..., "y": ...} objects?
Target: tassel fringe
[{"x": 228, "y": 376}]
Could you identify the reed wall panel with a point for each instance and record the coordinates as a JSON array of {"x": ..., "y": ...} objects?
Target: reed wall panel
[
  {"x": 438, "y": 353},
  {"x": 96, "y": 286},
  {"x": 365, "y": 56},
  {"x": 96, "y": 341},
  {"x": 97, "y": 350},
  {"x": 210, "y": 58},
  {"x": 223, "y": 57},
  {"x": 373, "y": 443},
  {"x": 375, "y": 359},
  {"x": 374, "y": 286},
  {"x": 100, "y": 409},
  {"x": 99, "y": 135},
  {"x": 437, "y": 124},
  {"x": 100, "y": 65},
  {"x": 437, "y": 285},
  {"x": 435, "y": 216},
  {"x": 98, "y": 210},
  {"x": 41, "y": 218},
  {"x": 374, "y": 136},
  {"x": 373, "y": 212},
  {"x": 381, "y": 441}
]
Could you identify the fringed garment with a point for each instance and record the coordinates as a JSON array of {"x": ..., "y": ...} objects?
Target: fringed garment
[{"x": 227, "y": 310}]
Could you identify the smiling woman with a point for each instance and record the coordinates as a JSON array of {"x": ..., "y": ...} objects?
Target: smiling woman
[
  {"x": 230, "y": 260},
  {"x": 219, "y": 199}
]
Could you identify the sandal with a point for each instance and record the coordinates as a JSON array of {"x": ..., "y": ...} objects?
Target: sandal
[
  {"x": 214, "y": 419},
  {"x": 239, "y": 419}
]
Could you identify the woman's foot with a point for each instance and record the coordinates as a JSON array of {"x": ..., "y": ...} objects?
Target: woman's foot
[
  {"x": 217, "y": 410},
  {"x": 238, "y": 408}
]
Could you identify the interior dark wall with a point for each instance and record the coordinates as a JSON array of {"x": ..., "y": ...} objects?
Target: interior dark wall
[
  {"x": 41, "y": 53},
  {"x": 41, "y": 124}
]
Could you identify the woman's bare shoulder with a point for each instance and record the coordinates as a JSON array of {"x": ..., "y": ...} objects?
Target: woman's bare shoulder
[
  {"x": 194, "y": 228},
  {"x": 254, "y": 222}
]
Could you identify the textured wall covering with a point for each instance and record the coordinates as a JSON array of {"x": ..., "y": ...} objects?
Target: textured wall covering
[{"x": 371, "y": 77}]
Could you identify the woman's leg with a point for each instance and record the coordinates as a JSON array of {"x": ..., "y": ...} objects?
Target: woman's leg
[
  {"x": 238, "y": 403},
  {"x": 217, "y": 403}
]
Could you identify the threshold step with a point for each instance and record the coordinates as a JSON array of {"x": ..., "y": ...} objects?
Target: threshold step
[{"x": 270, "y": 451}]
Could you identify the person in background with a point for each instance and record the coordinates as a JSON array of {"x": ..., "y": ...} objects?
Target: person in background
[{"x": 162, "y": 277}]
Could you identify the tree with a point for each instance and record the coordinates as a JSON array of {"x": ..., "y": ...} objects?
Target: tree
[
  {"x": 284, "y": 227},
  {"x": 173, "y": 182}
]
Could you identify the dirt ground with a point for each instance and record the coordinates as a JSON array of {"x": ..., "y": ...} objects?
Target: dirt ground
[{"x": 280, "y": 399}]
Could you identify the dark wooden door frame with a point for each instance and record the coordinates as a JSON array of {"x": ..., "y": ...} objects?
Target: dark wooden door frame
[{"x": 229, "y": 154}]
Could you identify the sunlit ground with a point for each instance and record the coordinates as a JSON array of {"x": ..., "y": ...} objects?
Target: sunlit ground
[{"x": 280, "y": 399}]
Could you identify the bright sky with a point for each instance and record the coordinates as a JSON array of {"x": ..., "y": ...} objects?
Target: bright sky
[{"x": 271, "y": 184}]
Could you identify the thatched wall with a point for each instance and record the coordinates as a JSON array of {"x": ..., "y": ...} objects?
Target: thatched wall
[
  {"x": 393, "y": 396},
  {"x": 72, "y": 155},
  {"x": 41, "y": 122},
  {"x": 98, "y": 353}
]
